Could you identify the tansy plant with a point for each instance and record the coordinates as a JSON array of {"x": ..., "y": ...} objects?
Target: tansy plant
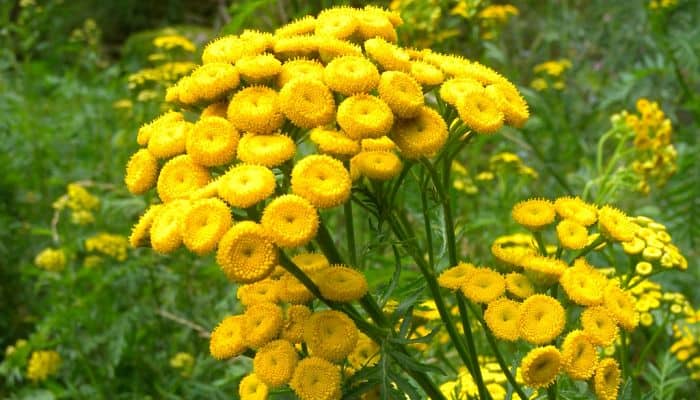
[{"x": 279, "y": 140}]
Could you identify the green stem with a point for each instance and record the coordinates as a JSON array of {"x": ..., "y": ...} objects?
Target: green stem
[
  {"x": 552, "y": 391},
  {"x": 350, "y": 227},
  {"x": 659, "y": 329},
  {"x": 599, "y": 240},
  {"x": 426, "y": 224},
  {"x": 325, "y": 242},
  {"x": 499, "y": 356},
  {"x": 446, "y": 211},
  {"x": 466, "y": 326},
  {"x": 560, "y": 180},
  {"x": 623, "y": 354},
  {"x": 434, "y": 291},
  {"x": 540, "y": 242}
]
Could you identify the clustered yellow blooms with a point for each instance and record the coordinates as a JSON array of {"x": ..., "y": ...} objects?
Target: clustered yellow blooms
[
  {"x": 80, "y": 202},
  {"x": 662, "y": 4},
  {"x": 655, "y": 158},
  {"x": 184, "y": 362},
  {"x": 10, "y": 350},
  {"x": 686, "y": 347},
  {"x": 254, "y": 130},
  {"x": 652, "y": 248},
  {"x": 43, "y": 364},
  {"x": 550, "y": 74},
  {"x": 294, "y": 345},
  {"x": 491, "y": 17},
  {"x": 526, "y": 304},
  {"x": 51, "y": 259},
  {"x": 166, "y": 72},
  {"x": 500, "y": 165},
  {"x": 112, "y": 245},
  {"x": 174, "y": 41},
  {"x": 464, "y": 386},
  {"x": 288, "y": 121}
]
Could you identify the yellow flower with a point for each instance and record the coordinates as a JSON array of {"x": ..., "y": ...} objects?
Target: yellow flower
[
  {"x": 262, "y": 324},
  {"x": 534, "y": 214},
  {"x": 316, "y": 379},
  {"x": 511, "y": 254},
  {"x": 364, "y": 116},
  {"x": 179, "y": 177},
  {"x": 256, "y": 109},
  {"x": 401, "y": 93},
  {"x": 426, "y": 74},
  {"x": 483, "y": 285},
  {"x": 167, "y": 139},
  {"x": 453, "y": 278},
  {"x": 456, "y": 88},
  {"x": 330, "y": 335},
  {"x": 111, "y": 245},
  {"x": 599, "y": 325},
  {"x": 543, "y": 270},
  {"x": 380, "y": 144},
  {"x": 141, "y": 231},
  {"x": 301, "y": 26},
  {"x": 311, "y": 262},
  {"x": 245, "y": 185},
  {"x": 379, "y": 165},
  {"x": 229, "y": 49},
  {"x": 300, "y": 68},
  {"x": 184, "y": 362},
  {"x": 341, "y": 284},
  {"x": 165, "y": 232},
  {"x": 366, "y": 353},
  {"x": 246, "y": 253},
  {"x": 542, "y": 319},
  {"x": 643, "y": 268},
  {"x": 141, "y": 172},
  {"x": 375, "y": 22},
  {"x": 307, "y": 102},
  {"x": 322, "y": 180},
  {"x": 293, "y": 328},
  {"x": 255, "y": 69},
  {"x": 293, "y": 291},
  {"x": 212, "y": 141},
  {"x": 267, "y": 150},
  {"x": 579, "y": 355},
  {"x": 575, "y": 209},
  {"x": 252, "y": 388},
  {"x": 582, "y": 283},
  {"x": 51, "y": 260},
  {"x": 519, "y": 285},
  {"x": 388, "y": 55},
  {"x": 422, "y": 136},
  {"x": 615, "y": 224},
  {"x": 480, "y": 113},
  {"x": 228, "y": 338},
  {"x": 621, "y": 306},
  {"x": 634, "y": 246},
  {"x": 208, "y": 83},
  {"x": 572, "y": 235},
  {"x": 337, "y": 22},
  {"x": 607, "y": 379},
  {"x": 510, "y": 102},
  {"x": 264, "y": 291},
  {"x": 146, "y": 131},
  {"x": 290, "y": 220},
  {"x": 275, "y": 362},
  {"x": 43, "y": 364},
  {"x": 541, "y": 366},
  {"x": 502, "y": 317},
  {"x": 296, "y": 46},
  {"x": 349, "y": 75},
  {"x": 204, "y": 224},
  {"x": 334, "y": 143},
  {"x": 330, "y": 48}
]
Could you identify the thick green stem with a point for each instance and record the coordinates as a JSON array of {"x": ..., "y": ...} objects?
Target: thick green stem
[
  {"x": 350, "y": 233},
  {"x": 540, "y": 242},
  {"x": 426, "y": 225},
  {"x": 325, "y": 242}
]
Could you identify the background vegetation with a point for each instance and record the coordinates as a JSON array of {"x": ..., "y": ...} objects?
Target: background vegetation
[{"x": 69, "y": 113}]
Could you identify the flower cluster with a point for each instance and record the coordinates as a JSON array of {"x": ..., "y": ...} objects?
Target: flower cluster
[
  {"x": 662, "y": 4},
  {"x": 339, "y": 76},
  {"x": 51, "y": 259},
  {"x": 527, "y": 305},
  {"x": 652, "y": 248},
  {"x": 183, "y": 362},
  {"x": 655, "y": 158},
  {"x": 174, "y": 41},
  {"x": 686, "y": 347},
  {"x": 80, "y": 202},
  {"x": 550, "y": 74},
  {"x": 501, "y": 166},
  {"x": 294, "y": 345},
  {"x": 43, "y": 364},
  {"x": 111, "y": 245}
]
